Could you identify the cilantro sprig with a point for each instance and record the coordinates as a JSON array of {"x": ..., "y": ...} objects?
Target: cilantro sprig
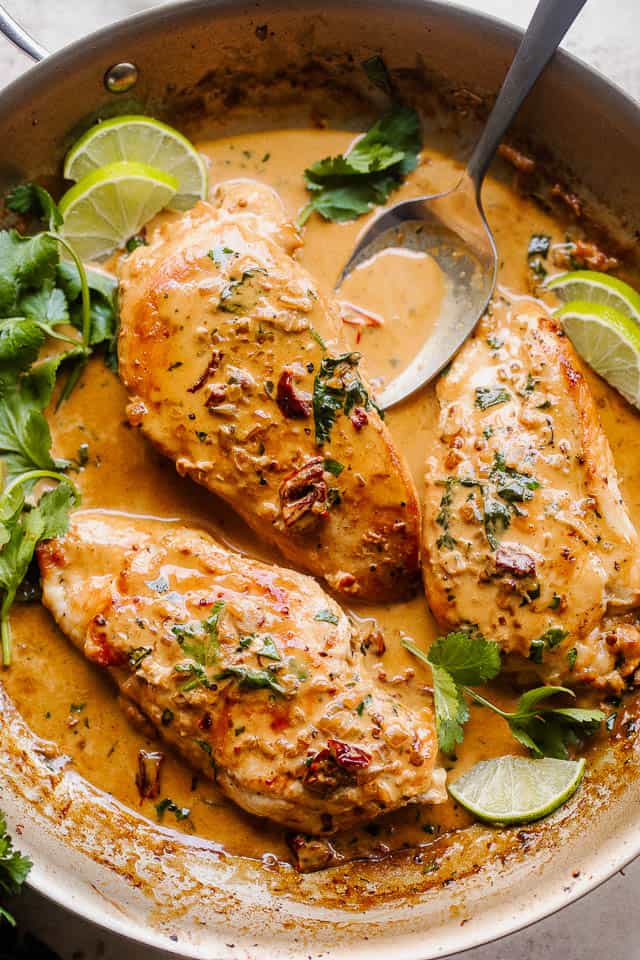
[
  {"x": 14, "y": 869},
  {"x": 464, "y": 659},
  {"x": 347, "y": 186},
  {"x": 22, "y": 526}
]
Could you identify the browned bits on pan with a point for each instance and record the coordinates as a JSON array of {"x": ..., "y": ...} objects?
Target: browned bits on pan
[
  {"x": 516, "y": 158},
  {"x": 312, "y": 853},
  {"x": 212, "y": 366},
  {"x": 304, "y": 492},
  {"x": 336, "y": 766},
  {"x": 294, "y": 404},
  {"x": 509, "y": 559},
  {"x": 571, "y": 200},
  {"x": 148, "y": 775}
]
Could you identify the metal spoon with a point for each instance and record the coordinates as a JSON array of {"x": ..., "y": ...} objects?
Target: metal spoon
[{"x": 451, "y": 227}]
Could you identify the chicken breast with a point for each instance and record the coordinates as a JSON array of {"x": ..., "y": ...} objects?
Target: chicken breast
[
  {"x": 251, "y": 672},
  {"x": 231, "y": 358},
  {"x": 526, "y": 534}
]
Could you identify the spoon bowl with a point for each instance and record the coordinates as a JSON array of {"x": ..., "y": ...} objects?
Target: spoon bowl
[{"x": 451, "y": 227}]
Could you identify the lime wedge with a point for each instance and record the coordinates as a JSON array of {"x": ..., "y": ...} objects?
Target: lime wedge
[
  {"x": 609, "y": 341},
  {"x": 594, "y": 287},
  {"x": 141, "y": 140},
  {"x": 517, "y": 789},
  {"x": 111, "y": 204}
]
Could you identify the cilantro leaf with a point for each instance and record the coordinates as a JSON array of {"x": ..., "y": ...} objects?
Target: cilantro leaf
[
  {"x": 23, "y": 526},
  {"x": 25, "y": 437},
  {"x": 14, "y": 868},
  {"x": 376, "y": 70},
  {"x": 25, "y": 263},
  {"x": 47, "y": 305},
  {"x": 466, "y": 656},
  {"x": 31, "y": 198},
  {"x": 103, "y": 308},
  {"x": 347, "y": 186},
  {"x": 462, "y": 658},
  {"x": 451, "y": 709}
]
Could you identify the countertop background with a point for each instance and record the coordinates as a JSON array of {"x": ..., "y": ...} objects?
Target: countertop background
[{"x": 607, "y": 922}]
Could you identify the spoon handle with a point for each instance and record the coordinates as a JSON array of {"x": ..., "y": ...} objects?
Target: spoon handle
[{"x": 550, "y": 22}]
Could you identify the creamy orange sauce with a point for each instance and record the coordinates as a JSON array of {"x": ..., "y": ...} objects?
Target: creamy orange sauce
[{"x": 67, "y": 700}]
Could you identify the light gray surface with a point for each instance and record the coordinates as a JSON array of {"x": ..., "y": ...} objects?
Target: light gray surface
[{"x": 607, "y": 922}]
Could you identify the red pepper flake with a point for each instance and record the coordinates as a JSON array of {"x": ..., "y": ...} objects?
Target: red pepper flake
[
  {"x": 295, "y": 404},
  {"x": 348, "y": 756},
  {"x": 335, "y": 766},
  {"x": 217, "y": 394},
  {"x": 359, "y": 418},
  {"x": 304, "y": 492},
  {"x": 212, "y": 366},
  {"x": 510, "y": 559}
]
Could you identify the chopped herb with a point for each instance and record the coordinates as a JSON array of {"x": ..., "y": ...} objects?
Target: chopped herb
[
  {"x": 347, "y": 186},
  {"x": 174, "y": 366},
  {"x": 207, "y": 748},
  {"x": 201, "y": 435},
  {"x": 487, "y": 432},
  {"x": 610, "y": 722},
  {"x": 553, "y": 636},
  {"x": 376, "y": 70},
  {"x": 326, "y": 616},
  {"x": 180, "y": 813},
  {"x": 555, "y": 602},
  {"x": 431, "y": 866},
  {"x": 333, "y": 466},
  {"x": 362, "y": 706},
  {"x": 134, "y": 242},
  {"x": 490, "y": 397},
  {"x": 221, "y": 255},
  {"x": 269, "y": 649},
  {"x": 137, "y": 655},
  {"x": 239, "y": 730},
  {"x": 196, "y": 676},
  {"x": 334, "y": 497},
  {"x": 536, "y": 650},
  {"x": 160, "y": 584},
  {"x": 494, "y": 342},
  {"x": 429, "y": 828},
  {"x": 252, "y": 679},
  {"x": 32, "y": 199},
  {"x": 464, "y": 659},
  {"x": 77, "y": 707},
  {"x": 199, "y": 638},
  {"x": 266, "y": 157},
  {"x": 510, "y": 484},
  {"x": 572, "y": 656},
  {"x": 316, "y": 336},
  {"x": 83, "y": 454},
  {"x": 167, "y": 717},
  {"x": 531, "y": 384},
  {"x": 337, "y": 387}
]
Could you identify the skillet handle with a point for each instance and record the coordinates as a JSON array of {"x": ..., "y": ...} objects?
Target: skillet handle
[{"x": 15, "y": 33}]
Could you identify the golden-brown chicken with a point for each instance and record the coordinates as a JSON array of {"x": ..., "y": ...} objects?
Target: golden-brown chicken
[
  {"x": 252, "y": 672},
  {"x": 526, "y": 533},
  {"x": 222, "y": 348}
]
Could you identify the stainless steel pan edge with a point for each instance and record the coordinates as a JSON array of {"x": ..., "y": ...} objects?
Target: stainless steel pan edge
[{"x": 573, "y": 112}]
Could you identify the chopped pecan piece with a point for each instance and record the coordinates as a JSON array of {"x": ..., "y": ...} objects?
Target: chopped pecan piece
[
  {"x": 570, "y": 199},
  {"x": 304, "y": 492},
  {"x": 148, "y": 775},
  {"x": 359, "y": 418},
  {"x": 334, "y": 767},
  {"x": 519, "y": 563},
  {"x": 295, "y": 404},
  {"x": 519, "y": 160}
]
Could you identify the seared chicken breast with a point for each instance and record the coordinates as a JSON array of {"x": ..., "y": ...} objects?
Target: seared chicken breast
[
  {"x": 526, "y": 534},
  {"x": 231, "y": 357},
  {"x": 250, "y": 671}
]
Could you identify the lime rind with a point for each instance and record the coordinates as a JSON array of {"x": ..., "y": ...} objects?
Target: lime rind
[
  {"x": 141, "y": 139},
  {"x": 609, "y": 341},
  {"x": 511, "y": 790},
  {"x": 111, "y": 204},
  {"x": 594, "y": 287}
]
